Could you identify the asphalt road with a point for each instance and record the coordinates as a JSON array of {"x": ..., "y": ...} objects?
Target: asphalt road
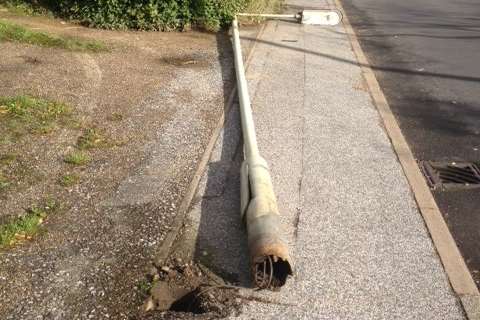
[{"x": 426, "y": 55}]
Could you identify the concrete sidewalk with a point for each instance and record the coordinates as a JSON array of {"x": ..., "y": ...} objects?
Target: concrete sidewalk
[{"x": 360, "y": 246}]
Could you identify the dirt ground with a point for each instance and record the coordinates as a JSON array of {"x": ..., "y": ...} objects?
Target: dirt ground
[
  {"x": 186, "y": 290},
  {"x": 155, "y": 98}
]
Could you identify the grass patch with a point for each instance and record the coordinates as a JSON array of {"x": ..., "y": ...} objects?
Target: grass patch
[
  {"x": 69, "y": 180},
  {"x": 26, "y": 226},
  {"x": 24, "y": 114},
  {"x": 92, "y": 138},
  {"x": 77, "y": 158},
  {"x": 16, "y": 33}
]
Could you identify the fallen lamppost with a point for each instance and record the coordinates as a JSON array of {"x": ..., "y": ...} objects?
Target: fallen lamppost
[{"x": 271, "y": 263}]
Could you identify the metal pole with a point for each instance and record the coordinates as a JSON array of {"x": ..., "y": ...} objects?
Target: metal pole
[
  {"x": 326, "y": 17},
  {"x": 248, "y": 127},
  {"x": 270, "y": 260},
  {"x": 271, "y": 15}
]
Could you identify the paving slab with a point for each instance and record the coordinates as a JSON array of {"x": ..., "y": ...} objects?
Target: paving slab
[{"x": 360, "y": 246}]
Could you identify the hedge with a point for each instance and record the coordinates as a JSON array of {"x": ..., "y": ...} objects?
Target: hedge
[
  {"x": 129, "y": 14},
  {"x": 214, "y": 14},
  {"x": 161, "y": 15}
]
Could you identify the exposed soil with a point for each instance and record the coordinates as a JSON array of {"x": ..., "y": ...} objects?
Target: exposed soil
[
  {"x": 155, "y": 98},
  {"x": 189, "y": 290}
]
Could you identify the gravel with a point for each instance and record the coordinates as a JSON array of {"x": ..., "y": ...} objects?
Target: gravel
[{"x": 90, "y": 259}]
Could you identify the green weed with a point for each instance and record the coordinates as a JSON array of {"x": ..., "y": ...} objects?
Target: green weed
[
  {"x": 24, "y": 114},
  {"x": 77, "y": 158},
  {"x": 92, "y": 138},
  {"x": 69, "y": 180},
  {"x": 144, "y": 286},
  {"x": 26, "y": 226}
]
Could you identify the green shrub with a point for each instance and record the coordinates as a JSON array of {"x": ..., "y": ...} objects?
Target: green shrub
[
  {"x": 214, "y": 14},
  {"x": 147, "y": 14},
  {"x": 129, "y": 14}
]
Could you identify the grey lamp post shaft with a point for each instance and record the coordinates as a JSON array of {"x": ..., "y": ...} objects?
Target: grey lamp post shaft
[
  {"x": 248, "y": 127},
  {"x": 270, "y": 261}
]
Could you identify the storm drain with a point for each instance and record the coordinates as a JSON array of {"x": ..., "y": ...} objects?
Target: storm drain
[{"x": 451, "y": 174}]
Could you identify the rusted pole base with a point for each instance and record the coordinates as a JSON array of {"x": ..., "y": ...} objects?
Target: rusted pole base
[{"x": 270, "y": 262}]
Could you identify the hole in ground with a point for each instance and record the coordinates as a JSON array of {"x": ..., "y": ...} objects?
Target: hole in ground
[
  {"x": 219, "y": 301},
  {"x": 190, "y": 303},
  {"x": 186, "y": 289}
]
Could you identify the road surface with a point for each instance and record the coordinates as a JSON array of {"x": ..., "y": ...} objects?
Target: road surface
[{"x": 426, "y": 56}]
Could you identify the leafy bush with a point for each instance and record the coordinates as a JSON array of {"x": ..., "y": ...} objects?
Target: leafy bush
[
  {"x": 129, "y": 14},
  {"x": 146, "y": 14},
  {"x": 214, "y": 14}
]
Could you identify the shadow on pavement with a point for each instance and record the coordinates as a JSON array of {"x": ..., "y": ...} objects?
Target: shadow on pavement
[
  {"x": 374, "y": 67},
  {"x": 221, "y": 242}
]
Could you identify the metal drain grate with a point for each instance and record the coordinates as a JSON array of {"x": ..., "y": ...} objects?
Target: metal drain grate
[{"x": 451, "y": 174}]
